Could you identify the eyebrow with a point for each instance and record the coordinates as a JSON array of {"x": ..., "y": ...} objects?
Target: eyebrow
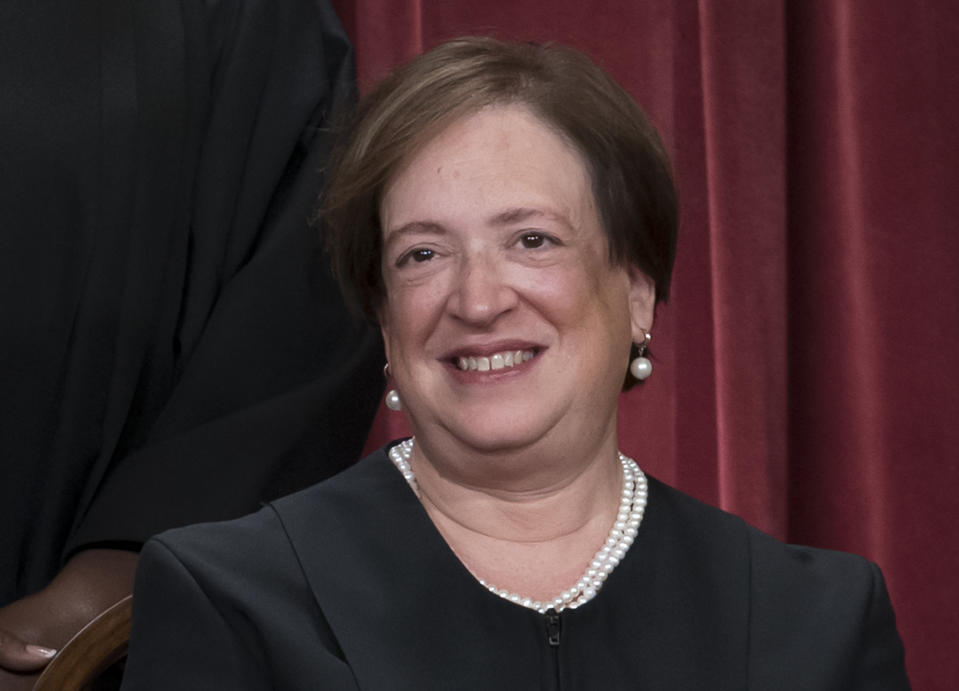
[
  {"x": 524, "y": 213},
  {"x": 414, "y": 228}
]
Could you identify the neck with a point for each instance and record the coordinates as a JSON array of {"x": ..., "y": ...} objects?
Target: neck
[
  {"x": 523, "y": 498},
  {"x": 536, "y": 539}
]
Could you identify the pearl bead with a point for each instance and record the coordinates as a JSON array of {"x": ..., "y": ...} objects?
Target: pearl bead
[
  {"x": 641, "y": 368},
  {"x": 393, "y": 400}
]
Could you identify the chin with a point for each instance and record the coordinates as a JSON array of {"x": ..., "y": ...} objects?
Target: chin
[{"x": 499, "y": 432}]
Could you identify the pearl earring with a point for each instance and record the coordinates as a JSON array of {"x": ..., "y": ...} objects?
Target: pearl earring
[
  {"x": 393, "y": 401},
  {"x": 641, "y": 367}
]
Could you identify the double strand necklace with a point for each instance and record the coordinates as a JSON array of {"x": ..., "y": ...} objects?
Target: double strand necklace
[{"x": 631, "y": 507}]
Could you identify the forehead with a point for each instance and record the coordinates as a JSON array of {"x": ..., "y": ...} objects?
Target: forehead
[{"x": 500, "y": 155}]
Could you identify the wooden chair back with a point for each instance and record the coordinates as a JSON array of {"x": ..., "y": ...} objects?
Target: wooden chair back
[{"x": 94, "y": 648}]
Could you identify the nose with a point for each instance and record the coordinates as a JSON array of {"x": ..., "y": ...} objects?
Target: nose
[{"x": 482, "y": 292}]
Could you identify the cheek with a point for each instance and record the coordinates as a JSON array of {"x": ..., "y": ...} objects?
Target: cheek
[
  {"x": 605, "y": 314},
  {"x": 411, "y": 316},
  {"x": 584, "y": 295}
]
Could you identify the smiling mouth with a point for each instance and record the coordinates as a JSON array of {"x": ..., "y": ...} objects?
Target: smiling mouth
[{"x": 496, "y": 361}]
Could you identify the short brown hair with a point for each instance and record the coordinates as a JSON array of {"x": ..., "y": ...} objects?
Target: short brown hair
[{"x": 624, "y": 156}]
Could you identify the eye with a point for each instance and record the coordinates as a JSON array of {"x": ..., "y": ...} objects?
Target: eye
[
  {"x": 418, "y": 255},
  {"x": 532, "y": 240}
]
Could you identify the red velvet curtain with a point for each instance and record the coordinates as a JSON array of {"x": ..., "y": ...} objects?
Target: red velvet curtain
[{"x": 805, "y": 376}]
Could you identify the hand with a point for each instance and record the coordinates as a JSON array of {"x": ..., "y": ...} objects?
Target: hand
[
  {"x": 17, "y": 655},
  {"x": 90, "y": 582}
]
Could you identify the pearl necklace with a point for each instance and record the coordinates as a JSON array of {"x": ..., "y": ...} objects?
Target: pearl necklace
[{"x": 631, "y": 507}]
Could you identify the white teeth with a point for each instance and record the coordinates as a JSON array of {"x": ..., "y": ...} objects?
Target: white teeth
[{"x": 496, "y": 361}]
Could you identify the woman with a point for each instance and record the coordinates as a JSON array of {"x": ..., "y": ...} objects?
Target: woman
[{"x": 506, "y": 214}]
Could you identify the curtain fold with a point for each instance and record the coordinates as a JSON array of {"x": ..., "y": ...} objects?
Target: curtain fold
[
  {"x": 742, "y": 74},
  {"x": 804, "y": 375}
]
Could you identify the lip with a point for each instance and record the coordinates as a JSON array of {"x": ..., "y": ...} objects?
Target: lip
[{"x": 486, "y": 349}]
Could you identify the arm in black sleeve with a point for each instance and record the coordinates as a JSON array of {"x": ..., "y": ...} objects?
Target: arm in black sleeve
[
  {"x": 820, "y": 619},
  {"x": 881, "y": 662},
  {"x": 180, "y": 639},
  {"x": 227, "y": 606}
]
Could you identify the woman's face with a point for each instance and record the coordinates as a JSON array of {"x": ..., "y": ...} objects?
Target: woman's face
[{"x": 504, "y": 322}]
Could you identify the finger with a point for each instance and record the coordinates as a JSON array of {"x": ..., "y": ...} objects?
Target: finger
[{"x": 19, "y": 656}]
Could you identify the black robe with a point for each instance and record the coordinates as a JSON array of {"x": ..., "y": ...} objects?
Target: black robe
[
  {"x": 348, "y": 585},
  {"x": 172, "y": 347}
]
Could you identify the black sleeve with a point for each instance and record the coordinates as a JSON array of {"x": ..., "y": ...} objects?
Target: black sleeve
[
  {"x": 820, "y": 620},
  {"x": 271, "y": 385},
  {"x": 227, "y": 606},
  {"x": 881, "y": 659},
  {"x": 180, "y": 639}
]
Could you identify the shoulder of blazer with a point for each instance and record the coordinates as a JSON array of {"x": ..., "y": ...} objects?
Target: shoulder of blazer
[
  {"x": 771, "y": 560},
  {"x": 786, "y": 582},
  {"x": 817, "y": 618},
  {"x": 258, "y": 543},
  {"x": 349, "y": 503}
]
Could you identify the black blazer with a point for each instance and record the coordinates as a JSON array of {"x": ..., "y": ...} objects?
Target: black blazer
[{"x": 347, "y": 585}]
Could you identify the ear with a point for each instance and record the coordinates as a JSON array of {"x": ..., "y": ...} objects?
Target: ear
[{"x": 642, "y": 303}]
